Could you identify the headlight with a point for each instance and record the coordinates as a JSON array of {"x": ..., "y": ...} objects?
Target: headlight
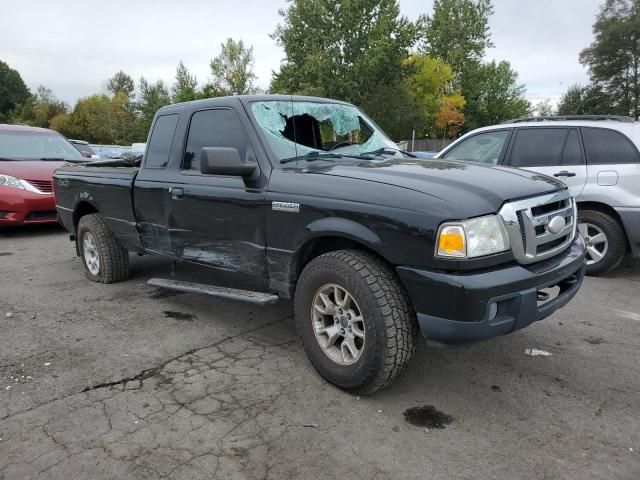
[
  {"x": 472, "y": 238},
  {"x": 8, "y": 181}
]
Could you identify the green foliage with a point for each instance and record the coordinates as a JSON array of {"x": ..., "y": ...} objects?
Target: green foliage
[
  {"x": 13, "y": 91},
  {"x": 185, "y": 87},
  {"x": 121, "y": 82},
  {"x": 151, "y": 98},
  {"x": 544, "y": 108},
  {"x": 493, "y": 95},
  {"x": 100, "y": 119},
  {"x": 613, "y": 58},
  {"x": 349, "y": 50},
  {"x": 40, "y": 108},
  {"x": 231, "y": 71},
  {"x": 458, "y": 33},
  {"x": 429, "y": 83},
  {"x": 589, "y": 100},
  {"x": 572, "y": 101}
]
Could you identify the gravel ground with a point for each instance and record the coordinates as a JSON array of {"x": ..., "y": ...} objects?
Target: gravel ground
[{"x": 124, "y": 381}]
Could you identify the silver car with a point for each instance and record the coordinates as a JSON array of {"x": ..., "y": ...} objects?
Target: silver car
[{"x": 597, "y": 157}]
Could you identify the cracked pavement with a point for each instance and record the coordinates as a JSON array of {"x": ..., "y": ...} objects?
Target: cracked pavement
[{"x": 124, "y": 381}]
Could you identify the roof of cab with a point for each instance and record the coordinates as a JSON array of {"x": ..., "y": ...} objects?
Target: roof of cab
[{"x": 245, "y": 99}]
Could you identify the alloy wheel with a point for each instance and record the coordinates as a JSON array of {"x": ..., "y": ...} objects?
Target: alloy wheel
[{"x": 338, "y": 324}]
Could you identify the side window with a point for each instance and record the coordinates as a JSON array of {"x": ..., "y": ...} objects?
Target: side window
[
  {"x": 160, "y": 141},
  {"x": 213, "y": 128},
  {"x": 484, "y": 147},
  {"x": 572, "y": 154},
  {"x": 538, "y": 147},
  {"x": 604, "y": 146}
]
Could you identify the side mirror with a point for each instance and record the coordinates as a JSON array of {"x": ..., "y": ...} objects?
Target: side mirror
[{"x": 224, "y": 161}]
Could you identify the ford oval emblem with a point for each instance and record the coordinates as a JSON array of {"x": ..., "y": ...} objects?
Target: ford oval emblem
[{"x": 556, "y": 224}]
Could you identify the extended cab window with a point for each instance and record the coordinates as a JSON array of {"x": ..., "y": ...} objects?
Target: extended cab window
[
  {"x": 213, "y": 128},
  {"x": 161, "y": 140},
  {"x": 483, "y": 147},
  {"x": 604, "y": 146},
  {"x": 545, "y": 147}
]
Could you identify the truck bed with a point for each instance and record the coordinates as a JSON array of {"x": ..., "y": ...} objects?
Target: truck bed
[{"x": 101, "y": 187}]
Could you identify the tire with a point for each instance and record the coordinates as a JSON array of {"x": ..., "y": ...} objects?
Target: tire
[
  {"x": 112, "y": 258},
  {"x": 591, "y": 222},
  {"x": 388, "y": 322}
]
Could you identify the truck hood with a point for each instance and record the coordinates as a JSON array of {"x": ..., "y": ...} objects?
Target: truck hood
[
  {"x": 479, "y": 187},
  {"x": 30, "y": 169}
]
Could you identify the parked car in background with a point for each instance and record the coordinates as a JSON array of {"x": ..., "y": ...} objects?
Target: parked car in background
[
  {"x": 424, "y": 154},
  {"x": 28, "y": 157},
  {"x": 597, "y": 157},
  {"x": 85, "y": 148},
  {"x": 138, "y": 148}
]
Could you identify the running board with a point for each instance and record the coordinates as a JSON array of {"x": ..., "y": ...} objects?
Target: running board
[{"x": 257, "y": 298}]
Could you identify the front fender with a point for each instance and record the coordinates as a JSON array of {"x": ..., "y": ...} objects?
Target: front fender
[{"x": 340, "y": 227}]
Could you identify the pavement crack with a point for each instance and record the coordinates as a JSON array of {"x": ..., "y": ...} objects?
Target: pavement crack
[{"x": 149, "y": 372}]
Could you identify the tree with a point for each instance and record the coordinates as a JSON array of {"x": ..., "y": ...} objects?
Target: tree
[
  {"x": 40, "y": 108},
  {"x": 493, "y": 95},
  {"x": 613, "y": 58},
  {"x": 572, "y": 101},
  {"x": 429, "y": 84},
  {"x": 185, "y": 88},
  {"x": 458, "y": 33},
  {"x": 121, "y": 82},
  {"x": 349, "y": 50},
  {"x": 151, "y": 98},
  {"x": 544, "y": 108},
  {"x": 231, "y": 71},
  {"x": 13, "y": 91},
  {"x": 589, "y": 100}
]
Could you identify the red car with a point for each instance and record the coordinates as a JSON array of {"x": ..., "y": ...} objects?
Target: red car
[{"x": 28, "y": 157}]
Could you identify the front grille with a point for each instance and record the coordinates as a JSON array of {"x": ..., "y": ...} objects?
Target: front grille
[
  {"x": 540, "y": 227},
  {"x": 45, "y": 186}
]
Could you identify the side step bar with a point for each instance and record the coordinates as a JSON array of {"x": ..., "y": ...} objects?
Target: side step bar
[{"x": 257, "y": 298}]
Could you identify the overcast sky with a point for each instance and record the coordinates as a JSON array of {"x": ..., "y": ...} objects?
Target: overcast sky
[{"x": 74, "y": 46}]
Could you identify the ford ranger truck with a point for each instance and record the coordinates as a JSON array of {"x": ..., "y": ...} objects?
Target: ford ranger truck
[{"x": 260, "y": 198}]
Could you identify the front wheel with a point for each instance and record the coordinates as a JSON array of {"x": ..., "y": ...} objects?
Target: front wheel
[
  {"x": 355, "y": 320},
  {"x": 605, "y": 240}
]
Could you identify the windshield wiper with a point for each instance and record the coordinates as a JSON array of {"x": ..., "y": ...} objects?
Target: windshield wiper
[
  {"x": 389, "y": 151},
  {"x": 53, "y": 159},
  {"x": 310, "y": 157}
]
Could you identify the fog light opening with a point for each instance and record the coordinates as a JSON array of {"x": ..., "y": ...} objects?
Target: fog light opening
[{"x": 493, "y": 310}]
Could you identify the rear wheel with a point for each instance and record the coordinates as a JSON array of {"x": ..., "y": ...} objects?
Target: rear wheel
[
  {"x": 355, "y": 320},
  {"x": 104, "y": 260},
  {"x": 605, "y": 240}
]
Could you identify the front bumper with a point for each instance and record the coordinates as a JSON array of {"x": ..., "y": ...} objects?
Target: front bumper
[
  {"x": 460, "y": 308},
  {"x": 24, "y": 207}
]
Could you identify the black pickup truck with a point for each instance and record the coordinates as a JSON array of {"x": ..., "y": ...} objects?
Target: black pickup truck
[{"x": 306, "y": 199}]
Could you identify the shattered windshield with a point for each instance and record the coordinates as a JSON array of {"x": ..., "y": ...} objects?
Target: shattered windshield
[{"x": 306, "y": 130}]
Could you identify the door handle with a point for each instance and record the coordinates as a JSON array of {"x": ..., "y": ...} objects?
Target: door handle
[
  {"x": 564, "y": 173},
  {"x": 176, "y": 192}
]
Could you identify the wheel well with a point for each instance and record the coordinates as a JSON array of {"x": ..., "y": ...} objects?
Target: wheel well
[
  {"x": 321, "y": 245},
  {"x": 604, "y": 208},
  {"x": 82, "y": 209}
]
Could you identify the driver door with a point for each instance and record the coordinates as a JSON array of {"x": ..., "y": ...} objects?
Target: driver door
[{"x": 217, "y": 220}]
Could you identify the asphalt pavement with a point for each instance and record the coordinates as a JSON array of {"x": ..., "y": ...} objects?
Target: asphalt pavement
[{"x": 130, "y": 382}]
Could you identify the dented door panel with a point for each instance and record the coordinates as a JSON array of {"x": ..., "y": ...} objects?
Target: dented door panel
[{"x": 219, "y": 222}]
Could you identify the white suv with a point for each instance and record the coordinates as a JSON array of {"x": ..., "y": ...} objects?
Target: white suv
[{"x": 597, "y": 157}]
